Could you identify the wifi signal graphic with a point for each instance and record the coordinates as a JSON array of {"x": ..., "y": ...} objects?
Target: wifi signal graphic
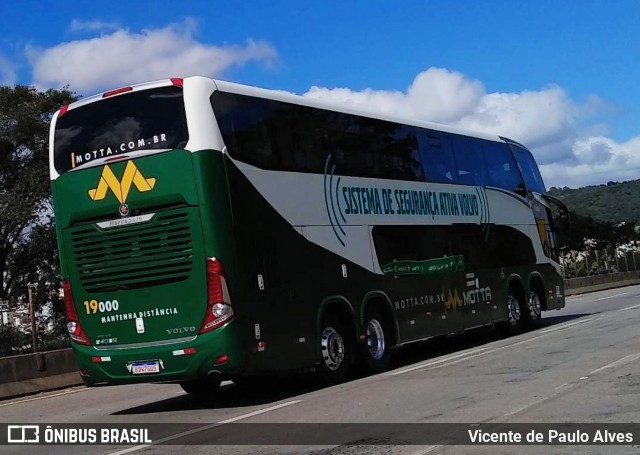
[
  {"x": 485, "y": 212},
  {"x": 332, "y": 202}
]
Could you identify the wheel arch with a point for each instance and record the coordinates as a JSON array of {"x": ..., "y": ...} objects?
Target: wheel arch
[
  {"x": 341, "y": 306},
  {"x": 536, "y": 281},
  {"x": 516, "y": 282}
]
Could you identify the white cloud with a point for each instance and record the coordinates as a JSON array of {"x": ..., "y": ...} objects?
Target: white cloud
[
  {"x": 124, "y": 57},
  {"x": 436, "y": 95},
  {"x": 561, "y": 132},
  {"x": 596, "y": 160},
  {"x": 79, "y": 25},
  {"x": 8, "y": 74}
]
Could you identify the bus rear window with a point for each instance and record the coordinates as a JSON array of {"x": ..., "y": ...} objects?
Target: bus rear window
[{"x": 141, "y": 120}]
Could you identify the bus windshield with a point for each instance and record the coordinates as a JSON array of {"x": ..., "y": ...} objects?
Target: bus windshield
[
  {"x": 529, "y": 168},
  {"x": 141, "y": 120}
]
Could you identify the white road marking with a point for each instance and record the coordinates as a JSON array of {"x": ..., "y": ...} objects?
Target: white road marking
[
  {"x": 259, "y": 411},
  {"x": 556, "y": 392},
  {"x": 206, "y": 427},
  {"x": 563, "y": 388},
  {"x": 426, "y": 450},
  {"x": 566, "y": 325},
  {"x": 44, "y": 397},
  {"x": 623, "y": 361},
  {"x": 610, "y": 296},
  {"x": 437, "y": 361},
  {"x": 630, "y": 307}
]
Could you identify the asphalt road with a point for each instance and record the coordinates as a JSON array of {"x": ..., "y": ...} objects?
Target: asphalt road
[{"x": 582, "y": 366}]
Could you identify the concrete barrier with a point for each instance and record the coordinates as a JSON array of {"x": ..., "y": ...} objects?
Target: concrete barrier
[
  {"x": 33, "y": 373},
  {"x": 594, "y": 283}
]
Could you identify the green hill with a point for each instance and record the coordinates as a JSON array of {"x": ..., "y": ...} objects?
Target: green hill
[{"x": 613, "y": 202}]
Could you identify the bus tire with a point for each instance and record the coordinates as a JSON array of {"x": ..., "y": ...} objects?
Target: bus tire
[
  {"x": 204, "y": 388},
  {"x": 514, "y": 324},
  {"x": 532, "y": 317},
  {"x": 375, "y": 354},
  {"x": 335, "y": 349}
]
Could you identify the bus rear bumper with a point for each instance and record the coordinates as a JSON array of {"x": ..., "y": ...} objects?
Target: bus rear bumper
[{"x": 217, "y": 352}]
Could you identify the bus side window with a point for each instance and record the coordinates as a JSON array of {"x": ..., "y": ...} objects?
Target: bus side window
[
  {"x": 349, "y": 141},
  {"x": 308, "y": 138},
  {"x": 396, "y": 151},
  {"x": 437, "y": 158},
  {"x": 501, "y": 166},
  {"x": 246, "y": 125},
  {"x": 296, "y": 138},
  {"x": 471, "y": 166}
]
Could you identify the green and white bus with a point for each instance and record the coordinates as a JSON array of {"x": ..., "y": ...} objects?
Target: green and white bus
[{"x": 209, "y": 230}]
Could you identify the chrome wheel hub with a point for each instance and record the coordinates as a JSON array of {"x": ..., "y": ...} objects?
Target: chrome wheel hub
[
  {"x": 535, "y": 308},
  {"x": 332, "y": 348},
  {"x": 514, "y": 310},
  {"x": 375, "y": 339}
]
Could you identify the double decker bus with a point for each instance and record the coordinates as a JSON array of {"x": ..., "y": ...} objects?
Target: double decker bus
[{"x": 209, "y": 230}]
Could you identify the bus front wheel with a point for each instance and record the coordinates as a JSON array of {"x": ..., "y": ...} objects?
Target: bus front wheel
[
  {"x": 375, "y": 353},
  {"x": 335, "y": 349}
]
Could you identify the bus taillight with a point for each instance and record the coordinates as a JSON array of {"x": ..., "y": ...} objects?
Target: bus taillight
[
  {"x": 116, "y": 91},
  {"x": 73, "y": 325},
  {"x": 219, "y": 308}
]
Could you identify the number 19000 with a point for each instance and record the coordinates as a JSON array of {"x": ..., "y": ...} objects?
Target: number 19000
[{"x": 93, "y": 306}]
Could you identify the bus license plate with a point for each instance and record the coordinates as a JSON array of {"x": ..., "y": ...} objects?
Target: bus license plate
[{"x": 152, "y": 366}]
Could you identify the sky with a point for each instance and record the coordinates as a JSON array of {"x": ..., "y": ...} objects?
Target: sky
[{"x": 560, "y": 77}]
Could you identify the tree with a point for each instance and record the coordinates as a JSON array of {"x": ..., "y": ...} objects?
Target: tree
[{"x": 28, "y": 252}]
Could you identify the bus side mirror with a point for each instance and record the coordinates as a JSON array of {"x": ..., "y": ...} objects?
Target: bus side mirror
[{"x": 559, "y": 213}]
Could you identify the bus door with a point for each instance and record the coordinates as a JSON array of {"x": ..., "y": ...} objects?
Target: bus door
[
  {"x": 271, "y": 305},
  {"x": 267, "y": 317}
]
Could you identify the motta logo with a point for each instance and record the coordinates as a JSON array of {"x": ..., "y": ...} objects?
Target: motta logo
[
  {"x": 120, "y": 188},
  {"x": 453, "y": 300}
]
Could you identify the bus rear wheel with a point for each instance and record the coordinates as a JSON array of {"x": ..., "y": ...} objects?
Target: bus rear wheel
[
  {"x": 532, "y": 318},
  {"x": 204, "y": 388},
  {"x": 335, "y": 350},
  {"x": 513, "y": 325},
  {"x": 376, "y": 353}
]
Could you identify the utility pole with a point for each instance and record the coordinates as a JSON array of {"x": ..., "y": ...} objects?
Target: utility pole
[{"x": 32, "y": 311}]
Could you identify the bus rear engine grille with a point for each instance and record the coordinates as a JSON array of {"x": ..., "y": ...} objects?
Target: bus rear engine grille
[{"x": 137, "y": 256}]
